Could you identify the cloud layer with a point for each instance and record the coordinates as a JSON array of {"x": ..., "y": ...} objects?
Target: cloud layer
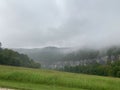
[{"x": 66, "y": 23}]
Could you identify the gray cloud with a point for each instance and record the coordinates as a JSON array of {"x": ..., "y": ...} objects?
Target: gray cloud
[{"x": 77, "y": 23}]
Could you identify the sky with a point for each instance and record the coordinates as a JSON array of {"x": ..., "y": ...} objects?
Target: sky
[{"x": 62, "y": 23}]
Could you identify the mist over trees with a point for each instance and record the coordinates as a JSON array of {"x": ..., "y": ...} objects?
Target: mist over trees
[
  {"x": 97, "y": 62},
  {"x": 109, "y": 69},
  {"x": 47, "y": 56}
]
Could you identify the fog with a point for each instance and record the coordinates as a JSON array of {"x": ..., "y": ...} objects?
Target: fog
[{"x": 62, "y": 23}]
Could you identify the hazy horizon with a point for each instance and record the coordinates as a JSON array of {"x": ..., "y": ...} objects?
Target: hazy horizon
[{"x": 61, "y": 23}]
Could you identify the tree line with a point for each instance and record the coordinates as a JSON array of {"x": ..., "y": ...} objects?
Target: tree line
[
  {"x": 104, "y": 62},
  {"x": 10, "y": 57},
  {"x": 112, "y": 69}
]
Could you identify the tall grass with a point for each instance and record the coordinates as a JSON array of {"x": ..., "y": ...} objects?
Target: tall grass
[{"x": 47, "y": 77}]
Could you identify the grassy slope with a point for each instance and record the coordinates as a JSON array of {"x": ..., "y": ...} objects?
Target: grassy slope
[{"x": 35, "y": 79}]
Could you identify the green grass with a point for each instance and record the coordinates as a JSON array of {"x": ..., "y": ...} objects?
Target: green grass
[{"x": 37, "y": 79}]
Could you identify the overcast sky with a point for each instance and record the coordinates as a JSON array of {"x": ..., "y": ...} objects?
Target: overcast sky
[{"x": 63, "y": 23}]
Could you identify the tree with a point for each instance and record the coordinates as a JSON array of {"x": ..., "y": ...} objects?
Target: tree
[
  {"x": 0, "y": 44},
  {"x": 10, "y": 57}
]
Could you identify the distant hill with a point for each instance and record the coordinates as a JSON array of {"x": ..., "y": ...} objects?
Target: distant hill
[
  {"x": 52, "y": 57},
  {"x": 46, "y": 56}
]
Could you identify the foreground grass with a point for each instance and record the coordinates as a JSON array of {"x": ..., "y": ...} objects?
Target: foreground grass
[
  {"x": 30, "y": 86},
  {"x": 35, "y": 79}
]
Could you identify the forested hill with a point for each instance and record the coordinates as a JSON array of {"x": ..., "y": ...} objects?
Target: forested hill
[
  {"x": 46, "y": 56},
  {"x": 52, "y": 57},
  {"x": 10, "y": 57}
]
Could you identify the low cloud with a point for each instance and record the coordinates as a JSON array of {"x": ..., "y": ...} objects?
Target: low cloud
[{"x": 66, "y": 23}]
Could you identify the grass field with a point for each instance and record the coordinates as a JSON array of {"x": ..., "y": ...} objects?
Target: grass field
[{"x": 37, "y": 79}]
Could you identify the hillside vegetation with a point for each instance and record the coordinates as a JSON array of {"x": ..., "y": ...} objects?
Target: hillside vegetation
[
  {"x": 50, "y": 57},
  {"x": 104, "y": 62},
  {"x": 109, "y": 69},
  {"x": 10, "y": 57},
  {"x": 46, "y": 56},
  {"x": 36, "y": 79}
]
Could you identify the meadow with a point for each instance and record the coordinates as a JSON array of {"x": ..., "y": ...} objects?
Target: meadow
[{"x": 39, "y": 79}]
